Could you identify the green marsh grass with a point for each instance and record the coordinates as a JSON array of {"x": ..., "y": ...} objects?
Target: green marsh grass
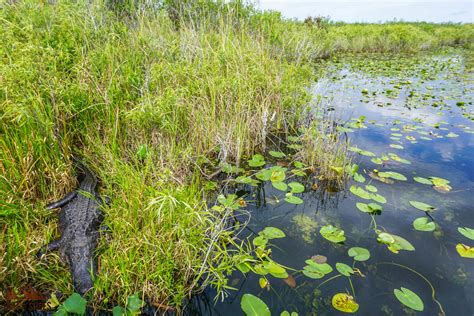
[{"x": 190, "y": 85}]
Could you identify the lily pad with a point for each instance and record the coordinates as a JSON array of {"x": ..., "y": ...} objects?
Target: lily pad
[
  {"x": 256, "y": 161},
  {"x": 394, "y": 242},
  {"x": 466, "y": 232},
  {"x": 273, "y": 232},
  {"x": 409, "y": 298},
  {"x": 393, "y": 175},
  {"x": 360, "y": 192},
  {"x": 369, "y": 208},
  {"x": 282, "y": 186},
  {"x": 465, "y": 251},
  {"x": 253, "y": 306},
  {"x": 359, "y": 253},
  {"x": 424, "y": 225},
  {"x": 344, "y": 269},
  {"x": 332, "y": 234},
  {"x": 345, "y": 303},
  {"x": 422, "y": 206},
  {"x": 290, "y": 198},
  {"x": 296, "y": 187},
  {"x": 423, "y": 180}
]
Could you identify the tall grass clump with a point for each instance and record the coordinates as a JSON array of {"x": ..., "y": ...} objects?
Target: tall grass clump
[{"x": 149, "y": 94}]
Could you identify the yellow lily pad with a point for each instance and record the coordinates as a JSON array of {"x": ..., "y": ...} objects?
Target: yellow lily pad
[
  {"x": 465, "y": 251},
  {"x": 345, "y": 303}
]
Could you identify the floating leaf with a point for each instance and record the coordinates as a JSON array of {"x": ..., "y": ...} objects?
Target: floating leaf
[
  {"x": 359, "y": 253},
  {"x": 315, "y": 270},
  {"x": 344, "y": 269},
  {"x": 296, "y": 187},
  {"x": 263, "y": 282},
  {"x": 253, "y": 306},
  {"x": 396, "y": 146},
  {"x": 423, "y": 224},
  {"x": 423, "y": 180},
  {"x": 369, "y": 208},
  {"x": 465, "y": 251},
  {"x": 371, "y": 188},
  {"x": 378, "y": 198},
  {"x": 362, "y": 152},
  {"x": 360, "y": 192},
  {"x": 395, "y": 242},
  {"x": 345, "y": 303},
  {"x": 319, "y": 258},
  {"x": 277, "y": 174},
  {"x": 275, "y": 269},
  {"x": 409, "y": 298},
  {"x": 422, "y": 206},
  {"x": 273, "y": 232},
  {"x": 277, "y": 154},
  {"x": 377, "y": 161},
  {"x": 359, "y": 178},
  {"x": 280, "y": 185},
  {"x": 332, "y": 233},
  {"x": 256, "y": 161},
  {"x": 393, "y": 175},
  {"x": 467, "y": 232},
  {"x": 264, "y": 174},
  {"x": 290, "y": 198}
]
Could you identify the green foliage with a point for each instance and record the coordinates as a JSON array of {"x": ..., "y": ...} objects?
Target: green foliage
[
  {"x": 253, "y": 306},
  {"x": 74, "y": 304}
]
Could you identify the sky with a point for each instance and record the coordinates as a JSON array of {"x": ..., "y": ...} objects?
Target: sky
[{"x": 375, "y": 10}]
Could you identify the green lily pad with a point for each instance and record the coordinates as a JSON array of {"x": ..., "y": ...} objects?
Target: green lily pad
[
  {"x": 296, "y": 187},
  {"x": 332, "y": 233},
  {"x": 409, "y": 298},
  {"x": 282, "y": 186},
  {"x": 359, "y": 253},
  {"x": 467, "y": 232},
  {"x": 256, "y": 161},
  {"x": 344, "y": 269},
  {"x": 290, "y": 198},
  {"x": 360, "y": 192},
  {"x": 359, "y": 178},
  {"x": 422, "y": 206},
  {"x": 369, "y": 208},
  {"x": 393, "y": 175},
  {"x": 424, "y": 225},
  {"x": 273, "y": 232},
  {"x": 253, "y": 306},
  {"x": 423, "y": 180}
]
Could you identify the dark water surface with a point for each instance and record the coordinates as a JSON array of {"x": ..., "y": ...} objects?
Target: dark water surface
[{"x": 443, "y": 81}]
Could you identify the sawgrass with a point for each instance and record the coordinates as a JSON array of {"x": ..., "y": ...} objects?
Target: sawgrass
[{"x": 189, "y": 92}]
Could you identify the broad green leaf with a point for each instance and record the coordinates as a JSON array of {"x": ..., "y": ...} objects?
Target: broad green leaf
[
  {"x": 273, "y": 232},
  {"x": 344, "y": 269},
  {"x": 393, "y": 175},
  {"x": 296, "y": 187},
  {"x": 277, "y": 154},
  {"x": 409, "y": 298},
  {"x": 467, "y": 232},
  {"x": 359, "y": 253},
  {"x": 369, "y": 208},
  {"x": 422, "y": 206},
  {"x": 360, "y": 192},
  {"x": 256, "y": 161},
  {"x": 75, "y": 304},
  {"x": 119, "y": 311},
  {"x": 290, "y": 198},
  {"x": 253, "y": 306},
  {"x": 424, "y": 225},
  {"x": 280, "y": 185},
  {"x": 371, "y": 188},
  {"x": 378, "y": 198},
  {"x": 345, "y": 303},
  {"x": 332, "y": 233},
  {"x": 423, "y": 180},
  {"x": 134, "y": 303},
  {"x": 359, "y": 178},
  {"x": 377, "y": 161},
  {"x": 264, "y": 174}
]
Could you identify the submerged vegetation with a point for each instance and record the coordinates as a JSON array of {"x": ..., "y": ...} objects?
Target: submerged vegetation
[{"x": 158, "y": 100}]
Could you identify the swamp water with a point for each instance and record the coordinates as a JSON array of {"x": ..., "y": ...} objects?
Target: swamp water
[{"x": 405, "y": 118}]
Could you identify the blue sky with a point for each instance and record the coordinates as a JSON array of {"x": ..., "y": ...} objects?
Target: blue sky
[{"x": 375, "y": 10}]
